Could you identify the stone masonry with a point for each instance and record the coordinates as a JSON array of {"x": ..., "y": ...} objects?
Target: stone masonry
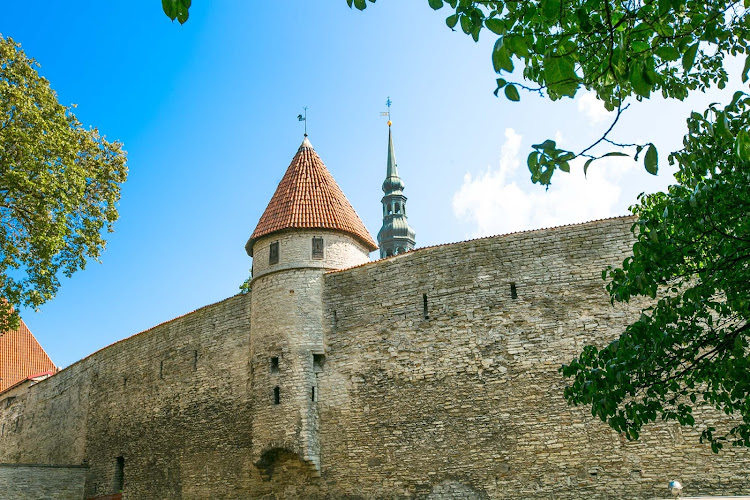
[{"x": 436, "y": 378}]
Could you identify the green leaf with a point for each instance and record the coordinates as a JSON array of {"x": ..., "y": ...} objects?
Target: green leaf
[
  {"x": 451, "y": 21},
  {"x": 500, "y": 58},
  {"x": 551, "y": 9},
  {"x": 639, "y": 84},
  {"x": 170, "y": 8},
  {"x": 360, "y": 4},
  {"x": 435, "y": 4},
  {"x": 512, "y": 93},
  {"x": 517, "y": 45},
  {"x": 495, "y": 25},
  {"x": 466, "y": 24},
  {"x": 182, "y": 14},
  {"x": 532, "y": 160},
  {"x": 688, "y": 58},
  {"x": 746, "y": 69},
  {"x": 615, "y": 153},
  {"x": 547, "y": 146},
  {"x": 585, "y": 169},
  {"x": 668, "y": 52},
  {"x": 742, "y": 145},
  {"x": 651, "y": 160}
]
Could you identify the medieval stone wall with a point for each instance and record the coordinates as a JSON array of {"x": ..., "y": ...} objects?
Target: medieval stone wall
[
  {"x": 441, "y": 378},
  {"x": 41, "y": 482},
  {"x": 438, "y": 380},
  {"x": 171, "y": 402},
  {"x": 45, "y": 423}
]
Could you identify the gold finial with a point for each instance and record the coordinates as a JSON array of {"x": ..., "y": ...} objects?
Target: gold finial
[{"x": 388, "y": 113}]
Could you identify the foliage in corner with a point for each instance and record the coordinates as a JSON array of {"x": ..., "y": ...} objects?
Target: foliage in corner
[
  {"x": 620, "y": 50},
  {"x": 59, "y": 186},
  {"x": 692, "y": 252},
  {"x": 177, "y": 9}
]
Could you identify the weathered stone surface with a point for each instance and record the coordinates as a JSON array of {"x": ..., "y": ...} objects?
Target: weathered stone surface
[
  {"x": 41, "y": 482},
  {"x": 441, "y": 386}
]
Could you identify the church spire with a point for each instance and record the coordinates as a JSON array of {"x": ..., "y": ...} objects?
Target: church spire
[{"x": 396, "y": 236}]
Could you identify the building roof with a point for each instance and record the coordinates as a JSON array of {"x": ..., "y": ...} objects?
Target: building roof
[
  {"x": 308, "y": 197},
  {"x": 21, "y": 357}
]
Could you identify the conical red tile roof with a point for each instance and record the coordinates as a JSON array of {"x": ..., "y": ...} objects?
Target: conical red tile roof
[
  {"x": 21, "y": 357},
  {"x": 308, "y": 197}
]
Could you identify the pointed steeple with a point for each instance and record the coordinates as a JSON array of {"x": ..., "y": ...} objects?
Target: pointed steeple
[
  {"x": 392, "y": 181},
  {"x": 308, "y": 197},
  {"x": 396, "y": 236}
]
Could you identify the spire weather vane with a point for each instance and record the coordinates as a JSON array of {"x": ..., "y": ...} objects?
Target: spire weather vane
[
  {"x": 388, "y": 103},
  {"x": 302, "y": 118}
]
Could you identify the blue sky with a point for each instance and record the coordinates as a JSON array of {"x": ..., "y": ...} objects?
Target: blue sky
[{"x": 207, "y": 112}]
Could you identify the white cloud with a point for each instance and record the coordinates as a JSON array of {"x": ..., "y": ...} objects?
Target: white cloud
[
  {"x": 593, "y": 108},
  {"x": 504, "y": 200}
]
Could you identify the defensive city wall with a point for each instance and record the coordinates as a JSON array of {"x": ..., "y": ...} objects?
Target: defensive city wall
[{"x": 435, "y": 377}]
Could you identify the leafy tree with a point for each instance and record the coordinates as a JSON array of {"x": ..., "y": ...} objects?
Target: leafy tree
[
  {"x": 59, "y": 185},
  {"x": 692, "y": 252},
  {"x": 619, "y": 49}
]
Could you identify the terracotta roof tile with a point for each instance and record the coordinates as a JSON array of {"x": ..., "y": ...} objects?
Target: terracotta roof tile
[
  {"x": 308, "y": 197},
  {"x": 21, "y": 356}
]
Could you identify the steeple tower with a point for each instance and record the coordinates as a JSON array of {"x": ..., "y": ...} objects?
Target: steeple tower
[{"x": 396, "y": 236}]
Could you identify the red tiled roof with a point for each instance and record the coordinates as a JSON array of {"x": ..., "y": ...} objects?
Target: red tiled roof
[
  {"x": 308, "y": 197},
  {"x": 21, "y": 356}
]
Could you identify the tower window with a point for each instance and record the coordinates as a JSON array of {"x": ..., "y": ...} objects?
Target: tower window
[
  {"x": 275, "y": 364},
  {"x": 317, "y": 248},
  {"x": 397, "y": 208},
  {"x": 273, "y": 254},
  {"x": 424, "y": 306},
  {"x": 513, "y": 291},
  {"x": 318, "y": 360},
  {"x": 276, "y": 395},
  {"x": 118, "y": 483}
]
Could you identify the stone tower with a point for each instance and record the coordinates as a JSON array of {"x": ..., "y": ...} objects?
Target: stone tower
[
  {"x": 396, "y": 236},
  {"x": 308, "y": 228}
]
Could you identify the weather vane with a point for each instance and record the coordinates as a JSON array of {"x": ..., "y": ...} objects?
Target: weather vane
[
  {"x": 303, "y": 119},
  {"x": 387, "y": 113}
]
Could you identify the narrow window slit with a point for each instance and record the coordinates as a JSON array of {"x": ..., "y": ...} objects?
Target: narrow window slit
[
  {"x": 276, "y": 395},
  {"x": 424, "y": 306},
  {"x": 275, "y": 364},
  {"x": 119, "y": 479},
  {"x": 314, "y": 396},
  {"x": 513, "y": 291}
]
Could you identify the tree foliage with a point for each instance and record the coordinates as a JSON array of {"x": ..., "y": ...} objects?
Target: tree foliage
[
  {"x": 692, "y": 258},
  {"x": 618, "y": 49},
  {"x": 59, "y": 185}
]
